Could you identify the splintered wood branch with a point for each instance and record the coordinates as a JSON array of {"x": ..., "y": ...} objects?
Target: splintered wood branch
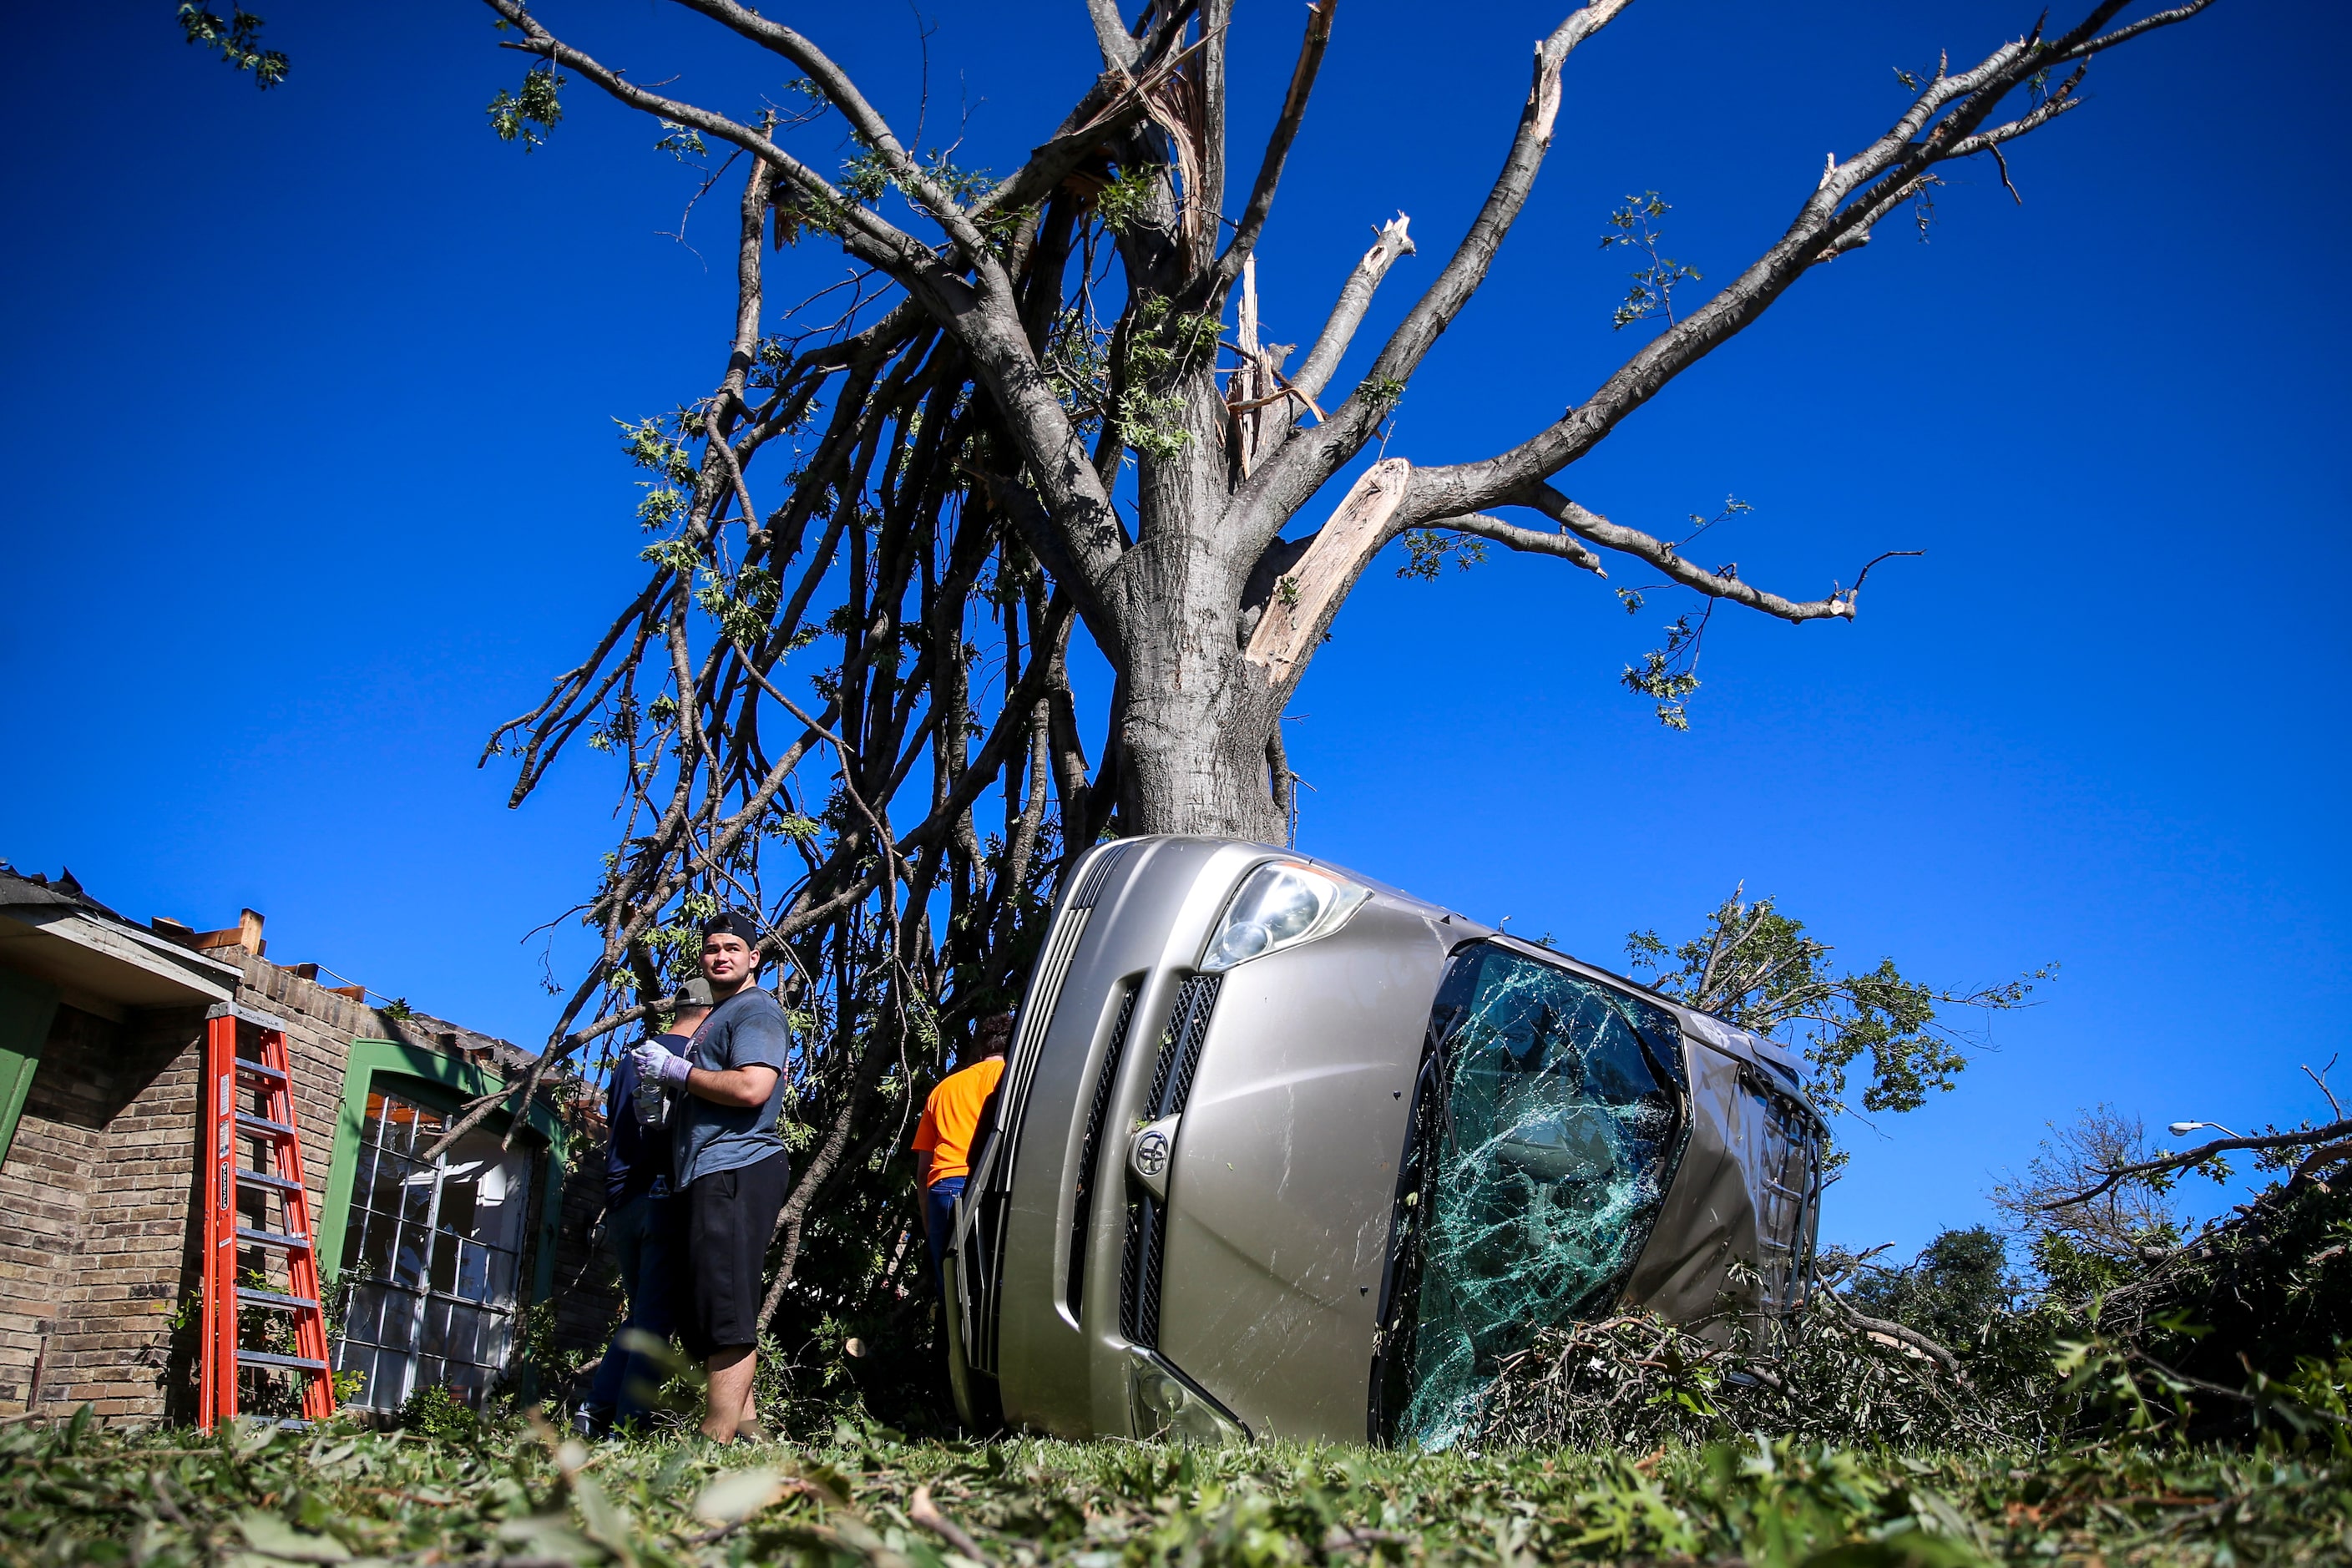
[
  {"x": 1347, "y": 313},
  {"x": 1307, "y": 597}
]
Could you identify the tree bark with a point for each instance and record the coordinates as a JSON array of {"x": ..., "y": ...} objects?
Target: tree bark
[{"x": 1199, "y": 710}]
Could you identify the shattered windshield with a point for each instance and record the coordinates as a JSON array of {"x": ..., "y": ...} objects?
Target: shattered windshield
[{"x": 1550, "y": 1148}]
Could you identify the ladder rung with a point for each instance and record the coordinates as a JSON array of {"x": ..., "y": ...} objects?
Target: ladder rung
[
  {"x": 255, "y": 1069},
  {"x": 271, "y": 1358},
  {"x": 264, "y": 1179},
  {"x": 277, "y": 1298},
  {"x": 252, "y": 1237},
  {"x": 252, "y": 1123}
]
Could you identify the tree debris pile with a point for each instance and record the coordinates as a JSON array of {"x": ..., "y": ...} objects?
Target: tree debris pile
[
  {"x": 2128, "y": 1324},
  {"x": 1635, "y": 1381}
]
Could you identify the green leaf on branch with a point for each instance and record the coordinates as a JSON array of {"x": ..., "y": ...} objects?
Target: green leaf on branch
[
  {"x": 238, "y": 42},
  {"x": 527, "y": 117}
]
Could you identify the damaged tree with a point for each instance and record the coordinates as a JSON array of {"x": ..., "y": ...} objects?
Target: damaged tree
[
  {"x": 1208, "y": 614},
  {"x": 1013, "y": 362}
]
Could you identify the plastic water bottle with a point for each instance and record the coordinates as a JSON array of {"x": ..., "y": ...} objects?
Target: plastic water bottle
[{"x": 652, "y": 1106}]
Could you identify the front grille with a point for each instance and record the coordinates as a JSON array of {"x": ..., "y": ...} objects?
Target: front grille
[
  {"x": 980, "y": 1233},
  {"x": 1172, "y": 1086},
  {"x": 1081, "y": 1193}
]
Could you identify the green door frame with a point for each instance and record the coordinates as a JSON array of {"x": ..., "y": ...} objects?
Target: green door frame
[
  {"x": 456, "y": 1079},
  {"x": 28, "y": 1008}
]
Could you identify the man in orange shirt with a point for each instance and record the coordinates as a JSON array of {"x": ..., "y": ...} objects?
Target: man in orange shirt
[{"x": 950, "y": 1127}]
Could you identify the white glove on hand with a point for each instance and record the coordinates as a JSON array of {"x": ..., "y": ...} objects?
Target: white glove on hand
[{"x": 655, "y": 1065}]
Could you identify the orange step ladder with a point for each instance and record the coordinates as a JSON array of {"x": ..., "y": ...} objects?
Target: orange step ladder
[{"x": 234, "y": 1085}]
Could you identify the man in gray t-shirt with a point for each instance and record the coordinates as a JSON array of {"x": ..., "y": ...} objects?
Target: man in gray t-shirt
[
  {"x": 728, "y": 1166},
  {"x": 707, "y": 1135}
]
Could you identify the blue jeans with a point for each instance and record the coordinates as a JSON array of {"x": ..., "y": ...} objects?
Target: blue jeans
[
  {"x": 938, "y": 1208},
  {"x": 638, "y": 1235}
]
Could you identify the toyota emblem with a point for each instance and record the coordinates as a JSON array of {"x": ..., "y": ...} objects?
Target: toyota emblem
[{"x": 1151, "y": 1153}]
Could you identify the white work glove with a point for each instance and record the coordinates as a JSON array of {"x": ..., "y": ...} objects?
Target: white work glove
[{"x": 655, "y": 1065}]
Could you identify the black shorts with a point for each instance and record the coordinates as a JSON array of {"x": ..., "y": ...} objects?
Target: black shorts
[{"x": 731, "y": 1215}]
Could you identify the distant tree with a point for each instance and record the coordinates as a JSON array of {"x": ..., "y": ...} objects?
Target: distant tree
[
  {"x": 1958, "y": 1283},
  {"x": 2082, "y": 1248}
]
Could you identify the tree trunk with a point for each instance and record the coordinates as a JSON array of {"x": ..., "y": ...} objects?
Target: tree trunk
[
  {"x": 1200, "y": 713},
  {"x": 1197, "y": 733}
]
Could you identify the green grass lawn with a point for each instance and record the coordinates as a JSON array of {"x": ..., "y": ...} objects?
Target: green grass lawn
[{"x": 254, "y": 1498}]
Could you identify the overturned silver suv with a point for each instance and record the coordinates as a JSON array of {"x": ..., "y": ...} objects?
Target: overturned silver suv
[{"x": 1280, "y": 1152}]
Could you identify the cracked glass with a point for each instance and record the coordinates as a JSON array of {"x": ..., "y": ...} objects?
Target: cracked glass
[{"x": 1552, "y": 1145}]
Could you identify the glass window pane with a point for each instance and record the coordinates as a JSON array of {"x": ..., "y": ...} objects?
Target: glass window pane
[
  {"x": 1553, "y": 1149},
  {"x": 398, "y": 1330},
  {"x": 374, "y": 1259},
  {"x": 417, "y": 1199},
  {"x": 365, "y": 1314},
  {"x": 499, "y": 1281},
  {"x": 380, "y": 1190},
  {"x": 363, "y": 1171},
  {"x": 354, "y": 1234},
  {"x": 399, "y": 1125},
  {"x": 469, "y": 1383},
  {"x": 408, "y": 1259},
  {"x": 445, "y": 1261},
  {"x": 350, "y": 1357},
  {"x": 465, "y": 1333},
  {"x": 498, "y": 1332},
  {"x": 437, "y": 1326},
  {"x": 387, "y": 1388},
  {"x": 473, "y": 1279}
]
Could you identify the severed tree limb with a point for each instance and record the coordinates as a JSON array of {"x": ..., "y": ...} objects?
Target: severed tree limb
[
  {"x": 1892, "y": 1331},
  {"x": 1307, "y": 597}
]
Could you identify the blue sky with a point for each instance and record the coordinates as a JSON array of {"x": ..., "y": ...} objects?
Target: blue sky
[{"x": 307, "y": 403}]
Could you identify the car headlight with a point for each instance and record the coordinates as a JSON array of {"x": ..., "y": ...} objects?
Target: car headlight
[{"x": 1282, "y": 904}]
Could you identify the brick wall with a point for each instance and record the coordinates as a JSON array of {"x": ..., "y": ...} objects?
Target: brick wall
[
  {"x": 112, "y": 1346},
  {"x": 44, "y": 1191}
]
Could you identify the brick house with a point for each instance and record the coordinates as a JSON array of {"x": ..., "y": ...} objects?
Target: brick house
[{"x": 436, "y": 1270}]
